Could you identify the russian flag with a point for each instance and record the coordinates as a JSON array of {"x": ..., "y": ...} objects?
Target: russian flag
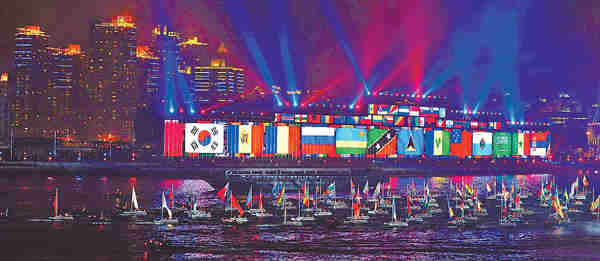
[{"x": 318, "y": 140}]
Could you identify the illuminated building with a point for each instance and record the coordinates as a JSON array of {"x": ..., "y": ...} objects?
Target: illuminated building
[
  {"x": 68, "y": 78},
  {"x": 112, "y": 90},
  {"x": 31, "y": 80},
  {"x": 218, "y": 82},
  {"x": 147, "y": 121},
  {"x": 4, "y": 108}
]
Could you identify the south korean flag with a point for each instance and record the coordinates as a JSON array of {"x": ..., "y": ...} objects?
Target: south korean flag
[{"x": 204, "y": 138}]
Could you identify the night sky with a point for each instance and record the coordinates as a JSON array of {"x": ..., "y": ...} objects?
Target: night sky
[{"x": 477, "y": 48}]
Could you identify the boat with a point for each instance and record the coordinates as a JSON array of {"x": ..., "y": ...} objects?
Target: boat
[
  {"x": 261, "y": 212},
  {"x": 165, "y": 221},
  {"x": 301, "y": 218},
  {"x": 101, "y": 220},
  {"x": 395, "y": 222},
  {"x": 356, "y": 218},
  {"x": 281, "y": 199},
  {"x": 376, "y": 210},
  {"x": 196, "y": 214},
  {"x": 134, "y": 211},
  {"x": 233, "y": 203}
]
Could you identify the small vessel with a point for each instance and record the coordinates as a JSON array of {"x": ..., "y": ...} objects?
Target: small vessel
[
  {"x": 196, "y": 214},
  {"x": 56, "y": 216},
  {"x": 101, "y": 220},
  {"x": 282, "y": 200},
  {"x": 134, "y": 211},
  {"x": 165, "y": 221},
  {"x": 233, "y": 203},
  {"x": 261, "y": 212},
  {"x": 395, "y": 222}
]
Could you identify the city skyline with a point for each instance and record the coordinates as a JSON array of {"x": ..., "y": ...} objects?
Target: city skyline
[{"x": 541, "y": 34}]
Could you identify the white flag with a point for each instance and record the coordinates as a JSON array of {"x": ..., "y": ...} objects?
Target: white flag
[{"x": 204, "y": 138}]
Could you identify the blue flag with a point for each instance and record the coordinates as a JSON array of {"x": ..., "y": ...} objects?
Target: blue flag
[
  {"x": 410, "y": 142},
  {"x": 456, "y": 136}
]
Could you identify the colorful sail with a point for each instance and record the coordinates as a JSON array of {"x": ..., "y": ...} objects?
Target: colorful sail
[
  {"x": 249, "y": 198},
  {"x": 235, "y": 204},
  {"x": 55, "y": 203}
]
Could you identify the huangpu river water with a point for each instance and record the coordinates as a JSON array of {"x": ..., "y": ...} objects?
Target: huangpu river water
[{"x": 532, "y": 233}]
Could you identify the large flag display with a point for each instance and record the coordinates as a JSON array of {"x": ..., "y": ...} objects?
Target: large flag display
[
  {"x": 350, "y": 141},
  {"x": 441, "y": 143},
  {"x": 520, "y": 144},
  {"x": 461, "y": 143},
  {"x": 245, "y": 139},
  {"x": 204, "y": 138},
  {"x": 382, "y": 142},
  {"x": 539, "y": 144},
  {"x": 282, "y": 140},
  {"x": 482, "y": 143},
  {"x": 410, "y": 142},
  {"x": 318, "y": 140},
  {"x": 502, "y": 144}
]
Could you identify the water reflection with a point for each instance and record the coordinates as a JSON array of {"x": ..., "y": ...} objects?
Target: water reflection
[{"x": 464, "y": 217}]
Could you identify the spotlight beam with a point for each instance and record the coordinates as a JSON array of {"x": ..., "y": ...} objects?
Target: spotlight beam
[{"x": 287, "y": 64}]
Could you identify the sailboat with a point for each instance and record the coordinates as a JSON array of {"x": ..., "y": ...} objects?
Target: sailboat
[
  {"x": 195, "y": 214},
  {"x": 321, "y": 212},
  {"x": 261, "y": 212},
  {"x": 356, "y": 218},
  {"x": 169, "y": 220},
  {"x": 57, "y": 216},
  {"x": 134, "y": 211},
  {"x": 233, "y": 203},
  {"x": 301, "y": 218},
  {"x": 411, "y": 217},
  {"x": 395, "y": 222}
]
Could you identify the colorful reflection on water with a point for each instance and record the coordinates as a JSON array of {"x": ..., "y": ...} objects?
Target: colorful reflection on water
[{"x": 492, "y": 223}]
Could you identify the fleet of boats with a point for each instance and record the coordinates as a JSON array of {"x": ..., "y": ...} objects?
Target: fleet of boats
[{"x": 463, "y": 203}]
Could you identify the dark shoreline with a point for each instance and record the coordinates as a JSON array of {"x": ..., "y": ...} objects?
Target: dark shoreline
[{"x": 203, "y": 169}]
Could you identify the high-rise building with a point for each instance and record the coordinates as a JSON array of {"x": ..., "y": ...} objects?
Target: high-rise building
[
  {"x": 4, "y": 108},
  {"x": 68, "y": 80},
  {"x": 218, "y": 82},
  {"x": 112, "y": 74},
  {"x": 147, "y": 122},
  {"x": 31, "y": 81}
]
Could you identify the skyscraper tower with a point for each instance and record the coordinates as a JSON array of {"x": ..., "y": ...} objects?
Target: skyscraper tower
[
  {"x": 112, "y": 90},
  {"x": 68, "y": 78},
  {"x": 31, "y": 80},
  {"x": 218, "y": 82}
]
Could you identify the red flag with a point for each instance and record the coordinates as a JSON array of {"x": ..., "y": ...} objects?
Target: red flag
[
  {"x": 235, "y": 203},
  {"x": 55, "y": 203},
  {"x": 223, "y": 192},
  {"x": 171, "y": 196}
]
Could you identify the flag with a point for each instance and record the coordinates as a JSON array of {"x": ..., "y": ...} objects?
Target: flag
[
  {"x": 171, "y": 198},
  {"x": 245, "y": 139},
  {"x": 399, "y": 120},
  {"x": 350, "y": 141},
  {"x": 281, "y": 197},
  {"x": 330, "y": 189},
  {"x": 461, "y": 143},
  {"x": 235, "y": 203},
  {"x": 249, "y": 198},
  {"x": 413, "y": 111},
  {"x": 441, "y": 143},
  {"x": 585, "y": 182},
  {"x": 482, "y": 143},
  {"x": 301, "y": 118},
  {"x": 410, "y": 142},
  {"x": 204, "y": 138},
  {"x": 388, "y": 120},
  {"x": 318, "y": 140},
  {"x": 520, "y": 144},
  {"x": 502, "y": 144},
  {"x": 381, "y": 142},
  {"x": 222, "y": 194},
  {"x": 377, "y": 119},
  {"x": 305, "y": 192},
  {"x": 365, "y": 120},
  {"x": 595, "y": 204},
  {"x": 539, "y": 144}
]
